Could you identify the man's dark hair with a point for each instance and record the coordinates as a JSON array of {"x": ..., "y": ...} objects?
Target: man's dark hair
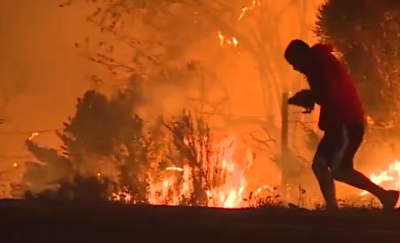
[{"x": 294, "y": 47}]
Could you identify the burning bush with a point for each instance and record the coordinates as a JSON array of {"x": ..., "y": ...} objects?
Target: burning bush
[
  {"x": 157, "y": 162},
  {"x": 210, "y": 177}
]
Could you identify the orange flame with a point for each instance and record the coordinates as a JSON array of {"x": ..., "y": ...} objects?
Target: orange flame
[
  {"x": 388, "y": 179},
  {"x": 233, "y": 40},
  {"x": 169, "y": 192}
]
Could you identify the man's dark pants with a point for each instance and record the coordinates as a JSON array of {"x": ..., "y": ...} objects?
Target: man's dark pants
[{"x": 339, "y": 145}]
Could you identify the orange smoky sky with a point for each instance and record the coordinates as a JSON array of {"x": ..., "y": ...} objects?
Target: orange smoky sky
[{"x": 42, "y": 73}]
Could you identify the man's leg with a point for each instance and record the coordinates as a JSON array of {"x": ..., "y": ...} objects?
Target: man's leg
[
  {"x": 356, "y": 179},
  {"x": 323, "y": 175},
  {"x": 342, "y": 167}
]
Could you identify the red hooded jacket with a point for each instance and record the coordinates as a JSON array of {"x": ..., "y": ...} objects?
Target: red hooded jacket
[{"x": 333, "y": 90}]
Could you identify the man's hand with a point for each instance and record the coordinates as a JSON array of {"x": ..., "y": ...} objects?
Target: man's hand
[{"x": 303, "y": 98}]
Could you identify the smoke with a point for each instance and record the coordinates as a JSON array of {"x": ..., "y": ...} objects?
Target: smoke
[{"x": 42, "y": 73}]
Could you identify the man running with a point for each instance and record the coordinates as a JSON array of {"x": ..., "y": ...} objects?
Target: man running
[{"x": 341, "y": 118}]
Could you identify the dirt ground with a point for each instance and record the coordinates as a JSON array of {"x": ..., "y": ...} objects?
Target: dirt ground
[{"x": 24, "y": 222}]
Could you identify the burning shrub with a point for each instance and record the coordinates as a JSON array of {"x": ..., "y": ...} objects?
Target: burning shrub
[
  {"x": 155, "y": 162},
  {"x": 192, "y": 141},
  {"x": 198, "y": 172},
  {"x": 193, "y": 148}
]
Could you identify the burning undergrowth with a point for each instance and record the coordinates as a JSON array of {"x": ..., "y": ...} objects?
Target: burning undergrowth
[
  {"x": 175, "y": 162},
  {"x": 111, "y": 153}
]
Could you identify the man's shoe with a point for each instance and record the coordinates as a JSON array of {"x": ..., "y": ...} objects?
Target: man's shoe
[{"x": 390, "y": 201}]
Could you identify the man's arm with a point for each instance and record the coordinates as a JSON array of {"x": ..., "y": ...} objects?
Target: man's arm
[
  {"x": 304, "y": 99},
  {"x": 319, "y": 86}
]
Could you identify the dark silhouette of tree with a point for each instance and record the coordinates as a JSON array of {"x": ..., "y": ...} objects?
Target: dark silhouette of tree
[
  {"x": 107, "y": 128},
  {"x": 103, "y": 130},
  {"x": 365, "y": 33}
]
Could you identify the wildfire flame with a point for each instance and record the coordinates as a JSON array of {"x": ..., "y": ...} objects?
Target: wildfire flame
[
  {"x": 388, "y": 179},
  {"x": 223, "y": 40},
  {"x": 169, "y": 191}
]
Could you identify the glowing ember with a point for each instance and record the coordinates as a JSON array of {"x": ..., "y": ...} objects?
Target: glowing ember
[
  {"x": 174, "y": 168},
  {"x": 122, "y": 196},
  {"x": 33, "y": 135},
  {"x": 264, "y": 187},
  {"x": 253, "y": 5},
  {"x": 229, "y": 41},
  {"x": 233, "y": 40}
]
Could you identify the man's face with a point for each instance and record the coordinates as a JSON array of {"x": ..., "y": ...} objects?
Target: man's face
[{"x": 299, "y": 61}]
